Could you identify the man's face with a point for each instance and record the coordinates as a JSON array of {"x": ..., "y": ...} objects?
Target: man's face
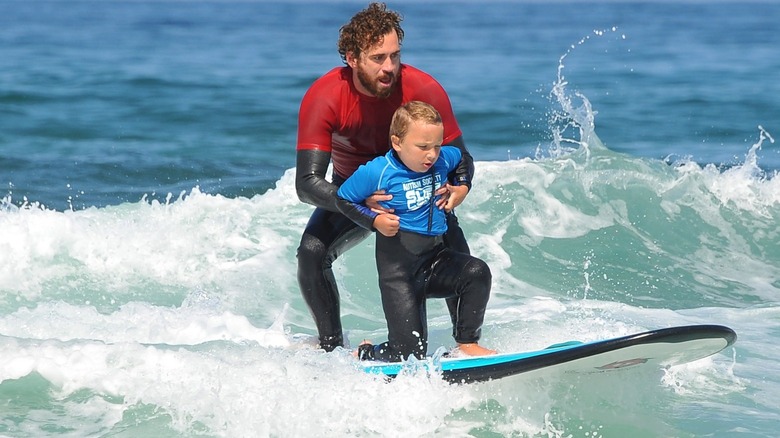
[{"x": 375, "y": 71}]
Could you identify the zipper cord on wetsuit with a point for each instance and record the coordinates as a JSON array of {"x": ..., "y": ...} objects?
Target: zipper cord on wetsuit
[
  {"x": 430, "y": 216},
  {"x": 433, "y": 200}
]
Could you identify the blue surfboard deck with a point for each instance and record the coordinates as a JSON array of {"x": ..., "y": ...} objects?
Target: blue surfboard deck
[{"x": 657, "y": 348}]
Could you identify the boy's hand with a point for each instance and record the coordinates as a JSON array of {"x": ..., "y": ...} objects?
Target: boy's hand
[
  {"x": 387, "y": 224},
  {"x": 372, "y": 202}
]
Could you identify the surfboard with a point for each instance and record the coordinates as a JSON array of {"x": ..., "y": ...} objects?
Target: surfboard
[{"x": 659, "y": 348}]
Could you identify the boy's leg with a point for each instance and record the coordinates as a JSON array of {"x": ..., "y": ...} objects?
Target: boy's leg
[
  {"x": 403, "y": 301},
  {"x": 407, "y": 328},
  {"x": 468, "y": 278}
]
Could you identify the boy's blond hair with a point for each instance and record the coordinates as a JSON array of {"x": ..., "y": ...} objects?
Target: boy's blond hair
[{"x": 414, "y": 111}]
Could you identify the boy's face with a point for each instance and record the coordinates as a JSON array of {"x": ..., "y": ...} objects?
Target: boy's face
[{"x": 421, "y": 146}]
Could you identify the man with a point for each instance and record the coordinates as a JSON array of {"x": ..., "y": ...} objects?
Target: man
[{"x": 345, "y": 118}]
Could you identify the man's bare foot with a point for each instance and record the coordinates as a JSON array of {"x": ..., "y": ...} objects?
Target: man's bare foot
[{"x": 472, "y": 349}]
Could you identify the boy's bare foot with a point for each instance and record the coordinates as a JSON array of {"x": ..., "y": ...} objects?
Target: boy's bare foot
[{"x": 472, "y": 349}]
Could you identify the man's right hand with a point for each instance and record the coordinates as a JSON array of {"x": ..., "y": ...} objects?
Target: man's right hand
[
  {"x": 372, "y": 202},
  {"x": 387, "y": 224}
]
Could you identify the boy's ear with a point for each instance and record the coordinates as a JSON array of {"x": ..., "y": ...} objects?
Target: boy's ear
[{"x": 395, "y": 142}]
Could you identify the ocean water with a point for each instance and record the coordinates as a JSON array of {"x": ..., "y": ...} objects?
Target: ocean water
[{"x": 626, "y": 180}]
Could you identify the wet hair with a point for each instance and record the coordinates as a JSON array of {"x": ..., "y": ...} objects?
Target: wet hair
[
  {"x": 367, "y": 28},
  {"x": 414, "y": 111}
]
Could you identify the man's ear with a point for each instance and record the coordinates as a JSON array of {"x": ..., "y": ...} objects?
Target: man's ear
[{"x": 352, "y": 60}]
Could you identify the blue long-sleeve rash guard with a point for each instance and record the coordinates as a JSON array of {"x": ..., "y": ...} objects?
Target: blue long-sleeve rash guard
[{"x": 412, "y": 192}]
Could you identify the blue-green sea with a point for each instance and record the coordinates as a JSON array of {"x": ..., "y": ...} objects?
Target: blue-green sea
[{"x": 626, "y": 181}]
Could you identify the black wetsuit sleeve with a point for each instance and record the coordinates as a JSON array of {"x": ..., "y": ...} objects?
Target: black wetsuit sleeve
[
  {"x": 359, "y": 214},
  {"x": 310, "y": 183},
  {"x": 464, "y": 173}
]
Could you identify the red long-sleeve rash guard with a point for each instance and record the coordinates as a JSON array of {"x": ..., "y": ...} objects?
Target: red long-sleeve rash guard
[{"x": 334, "y": 117}]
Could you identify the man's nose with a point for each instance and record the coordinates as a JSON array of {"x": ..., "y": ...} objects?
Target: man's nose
[{"x": 389, "y": 64}]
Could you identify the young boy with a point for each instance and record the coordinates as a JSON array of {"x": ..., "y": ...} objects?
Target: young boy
[{"x": 412, "y": 259}]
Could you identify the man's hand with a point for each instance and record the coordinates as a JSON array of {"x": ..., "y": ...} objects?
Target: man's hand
[
  {"x": 387, "y": 224},
  {"x": 451, "y": 196},
  {"x": 372, "y": 202}
]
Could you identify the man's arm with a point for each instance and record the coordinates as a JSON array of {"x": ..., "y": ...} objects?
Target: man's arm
[
  {"x": 454, "y": 192},
  {"x": 312, "y": 187},
  {"x": 310, "y": 183},
  {"x": 464, "y": 173}
]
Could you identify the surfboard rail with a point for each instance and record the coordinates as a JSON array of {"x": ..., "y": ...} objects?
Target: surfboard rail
[{"x": 661, "y": 347}]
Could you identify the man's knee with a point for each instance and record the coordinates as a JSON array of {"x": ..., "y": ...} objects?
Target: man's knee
[{"x": 311, "y": 252}]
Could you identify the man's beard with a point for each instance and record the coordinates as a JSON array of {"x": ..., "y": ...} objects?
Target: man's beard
[{"x": 372, "y": 87}]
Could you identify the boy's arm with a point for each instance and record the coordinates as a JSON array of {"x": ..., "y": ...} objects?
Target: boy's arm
[
  {"x": 351, "y": 195},
  {"x": 357, "y": 213},
  {"x": 386, "y": 223},
  {"x": 349, "y": 201}
]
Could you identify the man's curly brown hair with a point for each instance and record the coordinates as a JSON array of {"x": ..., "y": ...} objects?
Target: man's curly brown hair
[{"x": 367, "y": 28}]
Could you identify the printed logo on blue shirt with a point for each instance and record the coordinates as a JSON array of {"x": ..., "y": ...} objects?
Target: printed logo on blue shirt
[{"x": 420, "y": 190}]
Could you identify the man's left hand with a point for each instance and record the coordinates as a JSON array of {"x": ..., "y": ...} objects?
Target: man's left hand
[{"x": 451, "y": 196}]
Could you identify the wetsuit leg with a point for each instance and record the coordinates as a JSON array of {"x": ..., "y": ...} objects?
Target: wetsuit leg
[
  {"x": 399, "y": 260},
  {"x": 469, "y": 279},
  {"x": 326, "y": 237},
  {"x": 455, "y": 240}
]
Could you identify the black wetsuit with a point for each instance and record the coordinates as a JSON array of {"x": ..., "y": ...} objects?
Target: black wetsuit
[
  {"x": 413, "y": 268},
  {"x": 329, "y": 234},
  {"x": 415, "y": 264}
]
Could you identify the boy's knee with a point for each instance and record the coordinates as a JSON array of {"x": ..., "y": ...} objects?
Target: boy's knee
[{"x": 479, "y": 271}]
